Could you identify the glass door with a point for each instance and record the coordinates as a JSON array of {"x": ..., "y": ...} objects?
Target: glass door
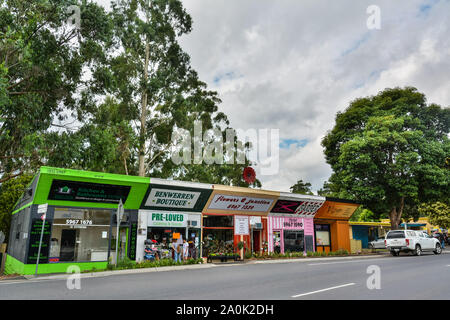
[{"x": 122, "y": 251}]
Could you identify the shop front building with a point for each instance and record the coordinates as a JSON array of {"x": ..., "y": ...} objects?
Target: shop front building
[
  {"x": 291, "y": 223},
  {"x": 75, "y": 211},
  {"x": 331, "y": 225},
  {"x": 171, "y": 213},
  {"x": 236, "y": 215}
]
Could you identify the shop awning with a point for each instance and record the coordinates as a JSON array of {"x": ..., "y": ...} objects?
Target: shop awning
[{"x": 335, "y": 210}]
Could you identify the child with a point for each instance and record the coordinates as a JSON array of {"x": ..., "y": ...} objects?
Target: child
[{"x": 185, "y": 250}]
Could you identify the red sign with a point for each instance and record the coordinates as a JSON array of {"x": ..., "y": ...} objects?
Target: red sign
[{"x": 286, "y": 206}]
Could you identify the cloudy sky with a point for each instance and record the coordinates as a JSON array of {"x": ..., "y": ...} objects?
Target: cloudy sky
[{"x": 292, "y": 64}]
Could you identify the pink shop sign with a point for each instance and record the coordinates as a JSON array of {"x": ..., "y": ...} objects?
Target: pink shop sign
[{"x": 287, "y": 223}]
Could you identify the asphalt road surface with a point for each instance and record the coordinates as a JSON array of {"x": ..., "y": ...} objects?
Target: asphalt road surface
[{"x": 404, "y": 277}]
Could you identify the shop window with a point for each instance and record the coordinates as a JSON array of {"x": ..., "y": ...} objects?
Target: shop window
[
  {"x": 80, "y": 235},
  {"x": 322, "y": 235},
  {"x": 217, "y": 241},
  {"x": 294, "y": 241},
  {"x": 218, "y": 221}
]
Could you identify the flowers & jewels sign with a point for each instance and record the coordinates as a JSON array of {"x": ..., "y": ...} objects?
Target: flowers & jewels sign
[{"x": 240, "y": 203}]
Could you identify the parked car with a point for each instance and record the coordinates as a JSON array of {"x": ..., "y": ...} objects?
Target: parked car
[
  {"x": 440, "y": 236},
  {"x": 377, "y": 244},
  {"x": 411, "y": 241}
]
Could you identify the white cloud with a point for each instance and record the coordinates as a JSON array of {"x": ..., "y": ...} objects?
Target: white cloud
[{"x": 291, "y": 65}]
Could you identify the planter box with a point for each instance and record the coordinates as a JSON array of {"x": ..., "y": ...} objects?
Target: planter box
[{"x": 223, "y": 258}]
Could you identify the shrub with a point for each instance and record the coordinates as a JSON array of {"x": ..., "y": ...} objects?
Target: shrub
[{"x": 341, "y": 252}]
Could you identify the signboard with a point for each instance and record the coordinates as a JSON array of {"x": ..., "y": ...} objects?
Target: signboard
[
  {"x": 166, "y": 219},
  {"x": 301, "y": 208},
  {"x": 42, "y": 208},
  {"x": 286, "y": 206},
  {"x": 292, "y": 223},
  {"x": 241, "y": 225},
  {"x": 309, "y": 208},
  {"x": 172, "y": 197},
  {"x": 35, "y": 236},
  {"x": 167, "y": 198},
  {"x": 239, "y": 203},
  {"x": 133, "y": 237},
  {"x": 63, "y": 190}
]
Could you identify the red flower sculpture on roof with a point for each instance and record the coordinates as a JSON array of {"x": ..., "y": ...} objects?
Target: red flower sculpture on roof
[{"x": 249, "y": 175}]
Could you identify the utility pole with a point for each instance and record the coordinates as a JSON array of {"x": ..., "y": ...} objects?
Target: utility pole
[{"x": 119, "y": 216}]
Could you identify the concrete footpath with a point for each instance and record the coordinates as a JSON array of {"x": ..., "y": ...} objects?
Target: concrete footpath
[{"x": 196, "y": 266}]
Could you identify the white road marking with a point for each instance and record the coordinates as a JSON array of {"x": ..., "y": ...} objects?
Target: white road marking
[{"x": 313, "y": 292}]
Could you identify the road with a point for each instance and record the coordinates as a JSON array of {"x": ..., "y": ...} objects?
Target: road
[{"x": 404, "y": 277}]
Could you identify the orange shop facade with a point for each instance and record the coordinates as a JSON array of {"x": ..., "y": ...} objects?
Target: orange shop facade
[{"x": 331, "y": 225}]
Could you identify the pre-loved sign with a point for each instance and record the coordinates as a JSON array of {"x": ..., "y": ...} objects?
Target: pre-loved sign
[{"x": 167, "y": 219}]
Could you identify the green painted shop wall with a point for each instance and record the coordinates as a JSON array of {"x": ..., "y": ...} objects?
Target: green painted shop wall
[
  {"x": 13, "y": 266},
  {"x": 138, "y": 185}
]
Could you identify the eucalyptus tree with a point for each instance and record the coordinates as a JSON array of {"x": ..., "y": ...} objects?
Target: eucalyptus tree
[{"x": 151, "y": 77}]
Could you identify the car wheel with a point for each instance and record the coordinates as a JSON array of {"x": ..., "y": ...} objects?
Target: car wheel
[
  {"x": 394, "y": 253},
  {"x": 438, "y": 249},
  {"x": 371, "y": 246},
  {"x": 418, "y": 251}
]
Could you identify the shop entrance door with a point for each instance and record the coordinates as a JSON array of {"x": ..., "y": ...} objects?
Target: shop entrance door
[
  {"x": 276, "y": 238},
  {"x": 68, "y": 240},
  {"x": 256, "y": 242},
  {"x": 122, "y": 243}
]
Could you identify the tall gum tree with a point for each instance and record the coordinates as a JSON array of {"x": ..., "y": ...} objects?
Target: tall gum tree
[{"x": 151, "y": 77}]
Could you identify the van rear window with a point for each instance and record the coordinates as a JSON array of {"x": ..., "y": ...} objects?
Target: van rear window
[{"x": 396, "y": 235}]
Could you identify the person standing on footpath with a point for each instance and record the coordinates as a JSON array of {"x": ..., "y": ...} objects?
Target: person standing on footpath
[
  {"x": 176, "y": 250},
  {"x": 185, "y": 250}
]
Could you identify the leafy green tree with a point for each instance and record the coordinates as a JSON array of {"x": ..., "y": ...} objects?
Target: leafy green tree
[
  {"x": 363, "y": 215},
  {"x": 437, "y": 212},
  {"x": 43, "y": 61},
  {"x": 301, "y": 187},
  {"x": 332, "y": 189},
  {"x": 388, "y": 151},
  {"x": 10, "y": 193}
]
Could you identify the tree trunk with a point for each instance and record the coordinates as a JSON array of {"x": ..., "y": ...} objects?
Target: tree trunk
[
  {"x": 395, "y": 216},
  {"x": 143, "y": 131}
]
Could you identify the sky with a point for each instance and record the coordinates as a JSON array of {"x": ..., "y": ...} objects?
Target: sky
[{"x": 292, "y": 65}]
